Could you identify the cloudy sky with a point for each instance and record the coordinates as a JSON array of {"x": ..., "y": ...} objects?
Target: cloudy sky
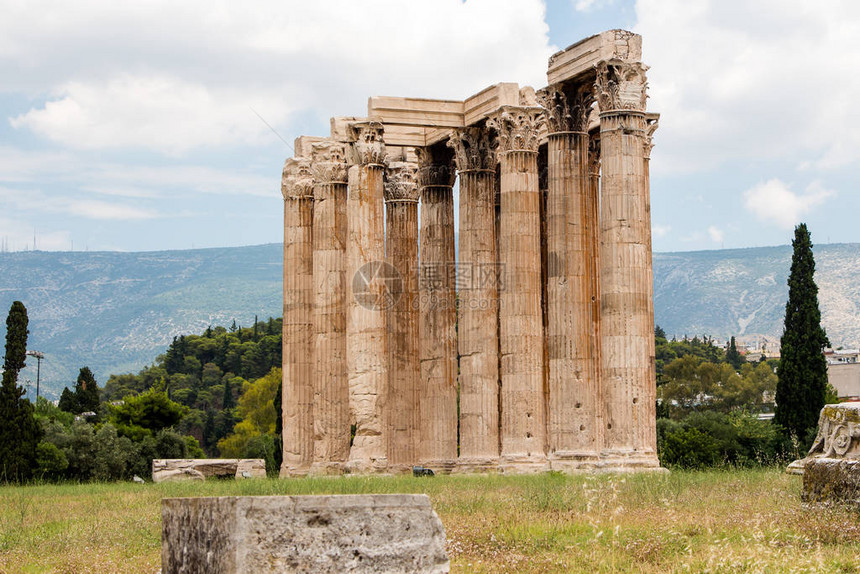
[{"x": 147, "y": 126}]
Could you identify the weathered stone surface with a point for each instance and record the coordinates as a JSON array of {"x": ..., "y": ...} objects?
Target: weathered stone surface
[
  {"x": 165, "y": 469},
  {"x": 322, "y": 534},
  {"x": 556, "y": 356},
  {"x": 838, "y": 436},
  {"x": 831, "y": 481}
]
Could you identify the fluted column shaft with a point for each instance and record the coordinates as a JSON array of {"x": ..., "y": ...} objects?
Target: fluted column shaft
[
  {"x": 438, "y": 316},
  {"x": 477, "y": 330},
  {"x": 297, "y": 388},
  {"x": 523, "y": 416},
  {"x": 627, "y": 309},
  {"x": 571, "y": 339},
  {"x": 404, "y": 369},
  {"x": 367, "y": 296},
  {"x": 331, "y": 388}
]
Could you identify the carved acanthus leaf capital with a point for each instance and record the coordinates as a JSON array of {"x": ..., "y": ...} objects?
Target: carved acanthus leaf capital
[
  {"x": 328, "y": 162},
  {"x": 651, "y": 125},
  {"x": 474, "y": 148},
  {"x": 568, "y": 107},
  {"x": 435, "y": 169},
  {"x": 367, "y": 146},
  {"x": 297, "y": 181},
  {"x": 401, "y": 181},
  {"x": 518, "y": 128},
  {"x": 621, "y": 85}
]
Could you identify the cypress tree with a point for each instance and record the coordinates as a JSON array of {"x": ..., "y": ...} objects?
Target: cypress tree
[
  {"x": 733, "y": 356},
  {"x": 19, "y": 430},
  {"x": 802, "y": 371}
]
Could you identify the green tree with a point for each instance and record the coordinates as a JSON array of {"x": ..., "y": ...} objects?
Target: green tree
[
  {"x": 85, "y": 398},
  {"x": 733, "y": 356},
  {"x": 19, "y": 431},
  {"x": 146, "y": 414},
  {"x": 802, "y": 373}
]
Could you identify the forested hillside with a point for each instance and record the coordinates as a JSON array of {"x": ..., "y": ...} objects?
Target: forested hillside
[{"x": 115, "y": 312}]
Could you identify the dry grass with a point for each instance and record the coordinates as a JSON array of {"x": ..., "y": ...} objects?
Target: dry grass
[{"x": 720, "y": 521}]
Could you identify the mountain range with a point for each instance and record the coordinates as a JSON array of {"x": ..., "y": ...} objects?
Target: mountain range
[{"x": 116, "y": 312}]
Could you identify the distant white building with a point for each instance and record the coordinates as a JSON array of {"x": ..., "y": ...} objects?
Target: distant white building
[{"x": 843, "y": 372}]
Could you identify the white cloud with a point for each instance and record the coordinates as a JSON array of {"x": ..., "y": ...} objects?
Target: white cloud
[
  {"x": 37, "y": 201},
  {"x": 92, "y": 209},
  {"x": 177, "y": 77},
  {"x": 773, "y": 202},
  {"x": 660, "y": 231},
  {"x": 716, "y": 234},
  {"x": 740, "y": 80}
]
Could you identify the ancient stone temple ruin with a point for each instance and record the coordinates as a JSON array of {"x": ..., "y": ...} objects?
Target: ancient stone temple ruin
[{"x": 529, "y": 346}]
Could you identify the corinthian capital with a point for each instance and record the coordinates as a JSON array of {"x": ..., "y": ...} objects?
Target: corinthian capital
[
  {"x": 328, "y": 162},
  {"x": 474, "y": 148},
  {"x": 621, "y": 85},
  {"x": 435, "y": 167},
  {"x": 368, "y": 146},
  {"x": 401, "y": 181},
  {"x": 652, "y": 121},
  {"x": 518, "y": 128},
  {"x": 297, "y": 181},
  {"x": 567, "y": 107}
]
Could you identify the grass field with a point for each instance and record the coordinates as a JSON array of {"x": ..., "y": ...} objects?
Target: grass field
[{"x": 718, "y": 521}]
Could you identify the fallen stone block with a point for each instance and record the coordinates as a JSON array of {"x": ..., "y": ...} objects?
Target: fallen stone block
[
  {"x": 838, "y": 436},
  {"x": 164, "y": 469},
  {"x": 323, "y": 534},
  {"x": 829, "y": 481}
]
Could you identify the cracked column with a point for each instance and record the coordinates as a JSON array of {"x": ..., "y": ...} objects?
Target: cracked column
[
  {"x": 477, "y": 331},
  {"x": 367, "y": 299},
  {"x": 523, "y": 416},
  {"x": 404, "y": 367},
  {"x": 331, "y": 388},
  {"x": 437, "y": 447},
  {"x": 571, "y": 338},
  {"x": 297, "y": 394},
  {"x": 627, "y": 303}
]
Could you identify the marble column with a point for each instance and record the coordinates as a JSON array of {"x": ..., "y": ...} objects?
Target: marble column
[
  {"x": 297, "y": 394},
  {"x": 331, "y": 388},
  {"x": 594, "y": 273},
  {"x": 438, "y": 312},
  {"x": 523, "y": 410},
  {"x": 367, "y": 299},
  {"x": 404, "y": 368},
  {"x": 571, "y": 338},
  {"x": 477, "y": 331},
  {"x": 627, "y": 304}
]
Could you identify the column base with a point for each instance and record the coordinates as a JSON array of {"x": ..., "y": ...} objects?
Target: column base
[
  {"x": 288, "y": 471},
  {"x": 477, "y": 465},
  {"x": 376, "y": 466},
  {"x": 523, "y": 464},
  {"x": 618, "y": 460},
  {"x": 326, "y": 469},
  {"x": 574, "y": 461},
  {"x": 445, "y": 466}
]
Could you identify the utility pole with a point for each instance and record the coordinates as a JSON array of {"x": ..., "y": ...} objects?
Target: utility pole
[{"x": 39, "y": 356}]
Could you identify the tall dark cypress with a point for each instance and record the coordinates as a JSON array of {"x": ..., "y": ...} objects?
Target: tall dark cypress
[
  {"x": 19, "y": 430},
  {"x": 802, "y": 370}
]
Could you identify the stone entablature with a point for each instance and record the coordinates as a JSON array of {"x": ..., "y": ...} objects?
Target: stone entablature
[{"x": 541, "y": 326}]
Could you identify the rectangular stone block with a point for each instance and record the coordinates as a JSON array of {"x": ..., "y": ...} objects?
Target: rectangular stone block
[
  {"x": 164, "y": 469},
  {"x": 581, "y": 57},
  {"x": 831, "y": 481},
  {"x": 322, "y": 534}
]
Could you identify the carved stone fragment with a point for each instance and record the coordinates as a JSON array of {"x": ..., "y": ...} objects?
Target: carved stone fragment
[{"x": 387, "y": 533}]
